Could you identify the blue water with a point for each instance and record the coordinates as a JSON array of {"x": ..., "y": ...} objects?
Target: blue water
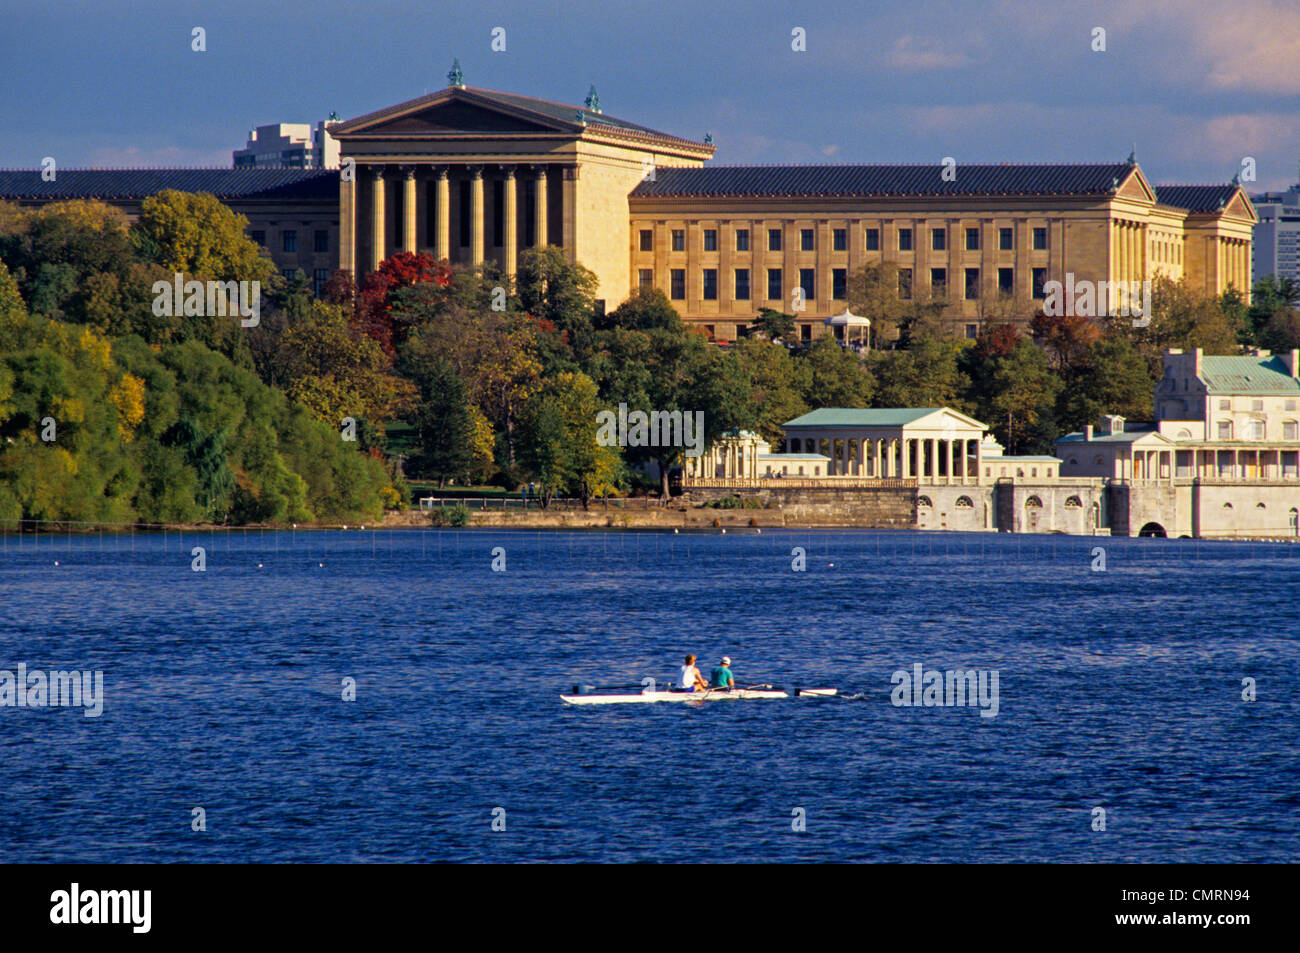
[{"x": 1119, "y": 690}]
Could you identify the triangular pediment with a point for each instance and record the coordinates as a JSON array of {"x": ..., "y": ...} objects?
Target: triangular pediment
[
  {"x": 1239, "y": 206},
  {"x": 452, "y": 118},
  {"x": 1135, "y": 186},
  {"x": 945, "y": 418},
  {"x": 452, "y": 112}
]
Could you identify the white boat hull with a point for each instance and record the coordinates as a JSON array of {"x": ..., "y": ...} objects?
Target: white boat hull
[{"x": 713, "y": 695}]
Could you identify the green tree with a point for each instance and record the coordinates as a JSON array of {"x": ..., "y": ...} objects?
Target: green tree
[
  {"x": 555, "y": 290},
  {"x": 445, "y": 427},
  {"x": 837, "y": 376},
  {"x": 669, "y": 370},
  {"x": 775, "y": 325},
  {"x": 561, "y": 447},
  {"x": 924, "y": 375},
  {"x": 1022, "y": 404},
  {"x": 777, "y": 384},
  {"x": 1112, "y": 378}
]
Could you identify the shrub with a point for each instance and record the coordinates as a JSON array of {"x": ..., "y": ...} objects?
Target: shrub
[{"x": 454, "y": 515}]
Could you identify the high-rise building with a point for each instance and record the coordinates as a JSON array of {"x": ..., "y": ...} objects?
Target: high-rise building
[
  {"x": 1276, "y": 249},
  {"x": 289, "y": 145}
]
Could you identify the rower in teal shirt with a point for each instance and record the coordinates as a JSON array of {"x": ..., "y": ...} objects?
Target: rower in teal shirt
[{"x": 721, "y": 676}]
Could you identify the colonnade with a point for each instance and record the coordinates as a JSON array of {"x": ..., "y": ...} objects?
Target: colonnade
[
  {"x": 413, "y": 183},
  {"x": 932, "y": 459}
]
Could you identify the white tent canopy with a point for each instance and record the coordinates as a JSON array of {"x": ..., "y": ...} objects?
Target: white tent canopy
[{"x": 848, "y": 320}]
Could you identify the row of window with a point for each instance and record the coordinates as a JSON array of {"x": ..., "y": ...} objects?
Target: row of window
[
  {"x": 840, "y": 239},
  {"x": 318, "y": 279},
  {"x": 289, "y": 239},
  {"x": 1255, "y": 405},
  {"x": 839, "y": 283},
  {"x": 1255, "y": 430}
]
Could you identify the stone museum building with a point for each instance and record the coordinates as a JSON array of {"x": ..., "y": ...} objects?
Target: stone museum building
[{"x": 474, "y": 175}]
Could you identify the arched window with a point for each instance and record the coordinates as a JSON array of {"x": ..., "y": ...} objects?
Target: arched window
[
  {"x": 1099, "y": 460},
  {"x": 1227, "y": 506},
  {"x": 1073, "y": 503},
  {"x": 1074, "y": 461},
  {"x": 923, "y": 501},
  {"x": 1290, "y": 430},
  {"x": 1260, "y": 506},
  {"x": 1033, "y": 503},
  {"x": 1184, "y": 434},
  {"x": 1255, "y": 430},
  {"x": 964, "y": 503}
]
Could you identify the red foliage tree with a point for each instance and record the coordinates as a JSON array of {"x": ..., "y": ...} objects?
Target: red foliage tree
[
  {"x": 996, "y": 340},
  {"x": 1065, "y": 337},
  {"x": 374, "y": 300}
]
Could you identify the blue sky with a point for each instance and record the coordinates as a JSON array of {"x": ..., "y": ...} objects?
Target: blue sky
[{"x": 1196, "y": 85}]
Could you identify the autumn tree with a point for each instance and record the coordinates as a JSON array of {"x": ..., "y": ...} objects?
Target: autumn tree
[{"x": 336, "y": 372}]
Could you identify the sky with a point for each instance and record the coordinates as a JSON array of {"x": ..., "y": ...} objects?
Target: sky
[{"x": 1196, "y": 86}]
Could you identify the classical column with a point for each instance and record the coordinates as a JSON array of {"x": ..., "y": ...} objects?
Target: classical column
[
  {"x": 510, "y": 214},
  {"x": 476, "y": 216},
  {"x": 569, "y": 212},
  {"x": 947, "y": 449},
  {"x": 348, "y": 225},
  {"x": 540, "y": 226},
  {"x": 378, "y": 229},
  {"x": 408, "y": 211},
  {"x": 442, "y": 216},
  {"x": 875, "y": 458}
]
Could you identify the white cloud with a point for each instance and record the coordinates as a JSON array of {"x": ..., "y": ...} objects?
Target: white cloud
[
  {"x": 130, "y": 157},
  {"x": 912, "y": 52}
]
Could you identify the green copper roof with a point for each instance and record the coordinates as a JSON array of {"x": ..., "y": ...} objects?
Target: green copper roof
[
  {"x": 862, "y": 417},
  {"x": 1247, "y": 375}
]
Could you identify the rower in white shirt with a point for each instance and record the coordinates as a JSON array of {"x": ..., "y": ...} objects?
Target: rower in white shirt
[{"x": 691, "y": 680}]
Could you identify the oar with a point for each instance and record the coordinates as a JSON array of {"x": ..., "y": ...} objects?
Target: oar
[{"x": 588, "y": 689}]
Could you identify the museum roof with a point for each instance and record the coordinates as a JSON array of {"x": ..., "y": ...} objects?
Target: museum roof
[
  {"x": 261, "y": 184},
  {"x": 883, "y": 180},
  {"x": 1196, "y": 198}
]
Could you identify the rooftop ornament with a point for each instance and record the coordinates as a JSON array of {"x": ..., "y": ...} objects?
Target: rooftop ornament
[
  {"x": 455, "y": 78},
  {"x": 592, "y": 101}
]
